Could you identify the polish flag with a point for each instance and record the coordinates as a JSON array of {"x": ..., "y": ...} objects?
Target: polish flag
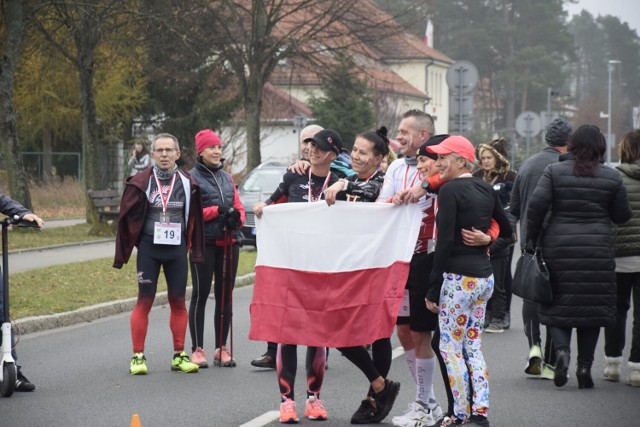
[
  {"x": 331, "y": 276},
  {"x": 428, "y": 34}
]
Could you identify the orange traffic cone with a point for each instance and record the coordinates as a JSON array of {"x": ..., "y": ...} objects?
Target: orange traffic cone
[{"x": 135, "y": 421}]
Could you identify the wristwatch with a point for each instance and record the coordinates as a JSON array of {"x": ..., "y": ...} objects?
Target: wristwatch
[{"x": 425, "y": 185}]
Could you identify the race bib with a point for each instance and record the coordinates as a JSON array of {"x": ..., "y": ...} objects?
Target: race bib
[{"x": 167, "y": 233}]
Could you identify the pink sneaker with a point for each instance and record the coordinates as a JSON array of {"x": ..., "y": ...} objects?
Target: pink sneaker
[
  {"x": 222, "y": 357},
  {"x": 199, "y": 358}
]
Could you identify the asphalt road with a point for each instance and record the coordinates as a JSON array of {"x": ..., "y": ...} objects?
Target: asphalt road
[{"x": 81, "y": 374}]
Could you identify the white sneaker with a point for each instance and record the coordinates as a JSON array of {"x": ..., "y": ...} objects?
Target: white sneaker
[
  {"x": 401, "y": 420},
  {"x": 437, "y": 413},
  {"x": 416, "y": 416},
  {"x": 422, "y": 418}
]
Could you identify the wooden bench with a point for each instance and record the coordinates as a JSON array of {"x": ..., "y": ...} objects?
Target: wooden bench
[{"x": 106, "y": 205}]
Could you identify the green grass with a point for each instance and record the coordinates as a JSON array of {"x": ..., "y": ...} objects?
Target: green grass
[{"x": 68, "y": 287}]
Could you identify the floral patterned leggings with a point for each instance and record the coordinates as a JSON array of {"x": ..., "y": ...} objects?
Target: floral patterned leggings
[{"x": 463, "y": 301}]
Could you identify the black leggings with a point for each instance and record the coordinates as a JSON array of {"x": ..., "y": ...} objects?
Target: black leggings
[
  {"x": 374, "y": 366},
  {"x": 201, "y": 277},
  {"x": 287, "y": 365}
]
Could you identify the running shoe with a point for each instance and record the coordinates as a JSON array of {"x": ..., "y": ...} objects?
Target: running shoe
[
  {"x": 181, "y": 363},
  {"x": 314, "y": 409},
  {"x": 409, "y": 416},
  {"x": 385, "y": 399},
  {"x": 534, "y": 362},
  {"x": 548, "y": 371},
  {"x": 138, "y": 364},
  {"x": 199, "y": 358},
  {"x": 23, "y": 384},
  {"x": 450, "y": 420},
  {"x": 288, "y": 413},
  {"x": 495, "y": 327},
  {"x": 222, "y": 357},
  {"x": 436, "y": 411},
  {"x": 365, "y": 413},
  {"x": 478, "y": 421}
]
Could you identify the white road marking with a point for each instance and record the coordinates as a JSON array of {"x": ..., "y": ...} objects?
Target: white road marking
[{"x": 263, "y": 419}]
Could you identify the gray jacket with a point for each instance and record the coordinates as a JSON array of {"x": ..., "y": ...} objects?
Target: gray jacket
[{"x": 526, "y": 181}]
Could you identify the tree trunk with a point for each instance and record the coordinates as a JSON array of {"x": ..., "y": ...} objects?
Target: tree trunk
[
  {"x": 47, "y": 160},
  {"x": 253, "y": 108},
  {"x": 16, "y": 175}
]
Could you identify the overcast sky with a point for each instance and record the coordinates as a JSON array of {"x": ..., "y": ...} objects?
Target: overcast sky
[{"x": 626, "y": 10}]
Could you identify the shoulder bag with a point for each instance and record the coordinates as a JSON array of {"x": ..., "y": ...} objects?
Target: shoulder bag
[{"x": 531, "y": 279}]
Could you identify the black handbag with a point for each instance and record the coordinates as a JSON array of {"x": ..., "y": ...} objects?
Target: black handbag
[{"x": 531, "y": 279}]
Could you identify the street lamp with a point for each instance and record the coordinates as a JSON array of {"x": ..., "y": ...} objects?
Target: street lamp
[{"x": 611, "y": 64}]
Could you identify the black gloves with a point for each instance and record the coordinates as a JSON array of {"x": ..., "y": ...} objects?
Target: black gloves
[{"x": 230, "y": 217}]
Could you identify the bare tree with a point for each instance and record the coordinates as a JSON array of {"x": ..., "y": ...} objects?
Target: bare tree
[
  {"x": 255, "y": 35},
  {"x": 13, "y": 19}
]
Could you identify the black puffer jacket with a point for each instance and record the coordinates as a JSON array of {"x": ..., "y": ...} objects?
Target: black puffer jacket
[{"x": 578, "y": 241}]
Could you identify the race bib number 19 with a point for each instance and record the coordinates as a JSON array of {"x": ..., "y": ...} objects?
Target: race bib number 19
[{"x": 167, "y": 233}]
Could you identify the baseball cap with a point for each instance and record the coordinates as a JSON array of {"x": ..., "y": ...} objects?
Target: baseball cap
[
  {"x": 455, "y": 144},
  {"x": 434, "y": 140},
  {"x": 327, "y": 140}
]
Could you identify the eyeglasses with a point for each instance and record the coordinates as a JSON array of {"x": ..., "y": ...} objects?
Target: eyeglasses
[{"x": 164, "y": 150}]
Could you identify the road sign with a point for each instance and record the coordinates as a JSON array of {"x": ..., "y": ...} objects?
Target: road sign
[
  {"x": 462, "y": 77},
  {"x": 528, "y": 124}
]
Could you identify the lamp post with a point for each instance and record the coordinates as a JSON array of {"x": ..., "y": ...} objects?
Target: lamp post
[{"x": 611, "y": 64}]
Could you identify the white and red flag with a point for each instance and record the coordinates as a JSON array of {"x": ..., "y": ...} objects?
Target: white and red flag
[{"x": 331, "y": 276}]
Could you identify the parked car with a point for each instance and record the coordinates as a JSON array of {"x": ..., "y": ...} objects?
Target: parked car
[{"x": 257, "y": 186}]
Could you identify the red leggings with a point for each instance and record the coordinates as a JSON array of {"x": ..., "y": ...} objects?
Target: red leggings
[{"x": 173, "y": 260}]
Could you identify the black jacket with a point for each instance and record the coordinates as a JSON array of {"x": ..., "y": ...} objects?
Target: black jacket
[{"x": 578, "y": 241}]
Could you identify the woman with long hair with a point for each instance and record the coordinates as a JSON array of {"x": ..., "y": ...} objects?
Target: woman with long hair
[
  {"x": 569, "y": 216},
  {"x": 139, "y": 159},
  {"x": 495, "y": 170},
  {"x": 369, "y": 149}
]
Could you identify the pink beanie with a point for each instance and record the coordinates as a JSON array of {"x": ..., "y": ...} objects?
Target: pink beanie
[{"x": 206, "y": 138}]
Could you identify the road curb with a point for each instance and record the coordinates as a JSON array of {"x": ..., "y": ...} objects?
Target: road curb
[
  {"x": 33, "y": 324},
  {"x": 62, "y": 245}
]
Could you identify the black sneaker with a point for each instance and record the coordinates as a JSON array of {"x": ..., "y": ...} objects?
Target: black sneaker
[
  {"x": 385, "y": 399},
  {"x": 23, "y": 384},
  {"x": 365, "y": 413},
  {"x": 478, "y": 421},
  {"x": 450, "y": 420}
]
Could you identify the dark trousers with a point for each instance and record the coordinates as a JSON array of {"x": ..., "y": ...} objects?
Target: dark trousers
[
  {"x": 374, "y": 366},
  {"x": 498, "y": 302},
  {"x": 532, "y": 331},
  {"x": 202, "y": 275},
  {"x": 587, "y": 342},
  {"x": 614, "y": 336}
]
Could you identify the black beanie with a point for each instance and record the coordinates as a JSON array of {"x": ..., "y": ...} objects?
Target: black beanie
[
  {"x": 557, "y": 133},
  {"x": 434, "y": 140}
]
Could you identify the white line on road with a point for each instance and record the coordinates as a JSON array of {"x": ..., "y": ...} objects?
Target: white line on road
[
  {"x": 267, "y": 417},
  {"x": 263, "y": 419}
]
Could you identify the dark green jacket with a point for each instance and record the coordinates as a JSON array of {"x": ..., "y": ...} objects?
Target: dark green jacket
[{"x": 627, "y": 235}]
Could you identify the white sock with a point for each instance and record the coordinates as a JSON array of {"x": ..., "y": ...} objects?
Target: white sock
[
  {"x": 425, "y": 370},
  {"x": 410, "y": 357}
]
